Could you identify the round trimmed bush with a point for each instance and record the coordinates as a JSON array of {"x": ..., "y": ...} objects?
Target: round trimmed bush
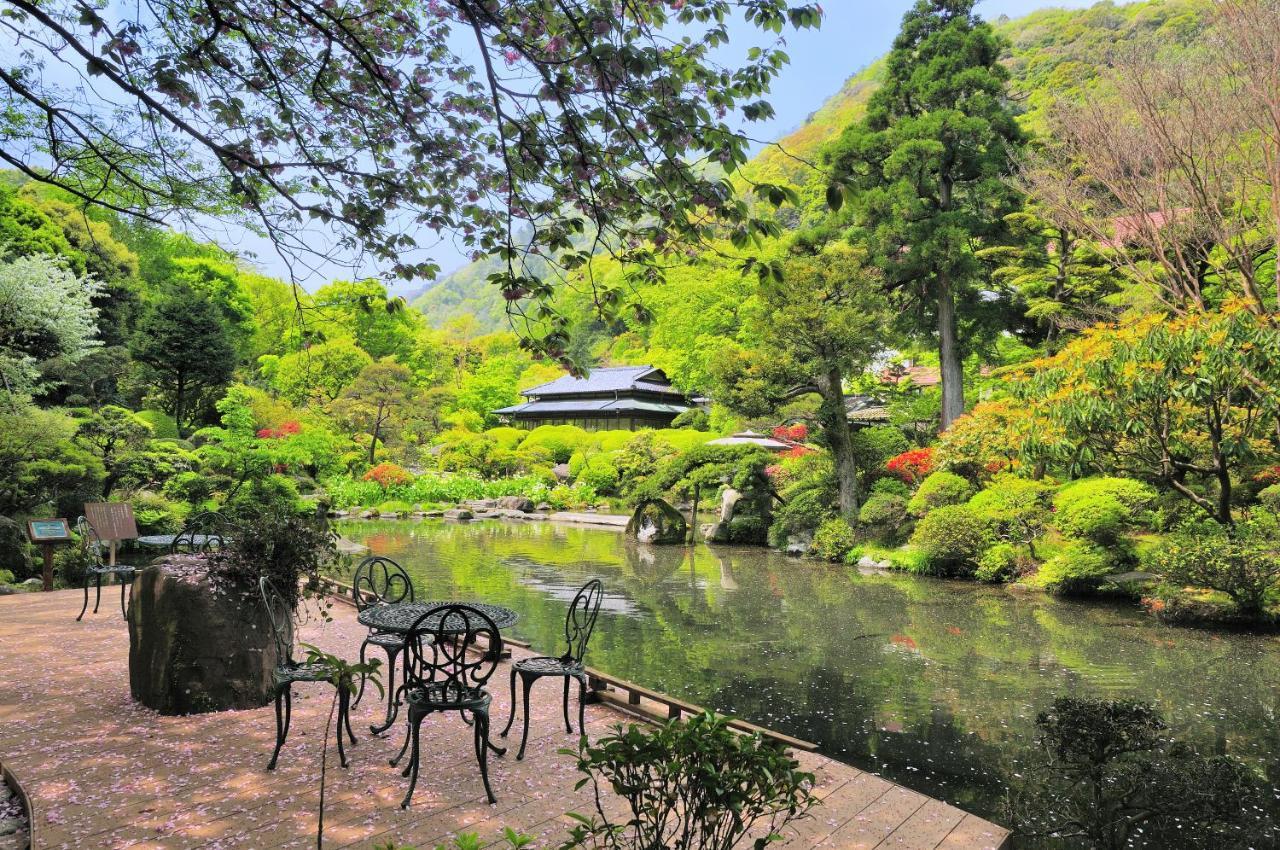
[
  {"x": 885, "y": 510},
  {"x": 1270, "y": 498},
  {"x": 952, "y": 539},
  {"x": 997, "y": 564},
  {"x": 1079, "y": 568},
  {"x": 872, "y": 447},
  {"x": 599, "y": 473},
  {"x": 833, "y": 540},
  {"x": 1101, "y": 510},
  {"x": 941, "y": 488}
]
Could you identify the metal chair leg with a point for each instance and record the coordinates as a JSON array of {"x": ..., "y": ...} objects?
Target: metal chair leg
[
  {"x": 393, "y": 702},
  {"x": 512, "y": 718},
  {"x": 86, "y": 598},
  {"x": 360, "y": 693},
  {"x": 123, "y": 612},
  {"x": 342, "y": 719},
  {"x": 568, "y": 727},
  {"x": 280, "y": 725},
  {"x": 346, "y": 717},
  {"x": 97, "y": 599},
  {"x": 527, "y": 681},
  {"x": 582, "y": 706},
  {"x": 482, "y": 745},
  {"x": 408, "y": 735},
  {"x": 413, "y": 765}
]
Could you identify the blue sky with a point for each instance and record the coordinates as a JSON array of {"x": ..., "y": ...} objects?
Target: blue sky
[{"x": 854, "y": 33}]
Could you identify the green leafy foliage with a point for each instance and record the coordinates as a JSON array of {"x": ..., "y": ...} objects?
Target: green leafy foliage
[
  {"x": 1079, "y": 568},
  {"x": 952, "y": 538},
  {"x": 688, "y": 785},
  {"x": 997, "y": 564},
  {"x": 938, "y": 489},
  {"x": 833, "y": 539},
  {"x": 1241, "y": 561},
  {"x": 1101, "y": 510}
]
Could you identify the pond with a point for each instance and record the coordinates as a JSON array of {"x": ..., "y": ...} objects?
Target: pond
[{"x": 931, "y": 683}]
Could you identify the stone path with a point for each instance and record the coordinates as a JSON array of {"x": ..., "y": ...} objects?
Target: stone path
[{"x": 102, "y": 772}]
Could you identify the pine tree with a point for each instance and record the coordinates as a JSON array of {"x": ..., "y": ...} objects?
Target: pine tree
[{"x": 928, "y": 164}]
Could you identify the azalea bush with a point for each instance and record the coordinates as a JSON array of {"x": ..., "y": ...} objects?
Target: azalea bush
[
  {"x": 912, "y": 466},
  {"x": 388, "y": 475}
]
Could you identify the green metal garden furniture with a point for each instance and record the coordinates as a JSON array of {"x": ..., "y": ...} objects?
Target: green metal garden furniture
[{"x": 579, "y": 622}]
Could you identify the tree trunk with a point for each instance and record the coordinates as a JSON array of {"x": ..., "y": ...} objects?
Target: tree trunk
[
  {"x": 949, "y": 354},
  {"x": 835, "y": 424}
]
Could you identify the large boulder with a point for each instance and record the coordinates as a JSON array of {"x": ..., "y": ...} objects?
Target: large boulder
[
  {"x": 195, "y": 644},
  {"x": 655, "y": 521},
  {"x": 459, "y": 514},
  {"x": 517, "y": 503}
]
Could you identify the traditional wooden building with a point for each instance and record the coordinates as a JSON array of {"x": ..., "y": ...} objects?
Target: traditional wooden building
[{"x": 610, "y": 398}]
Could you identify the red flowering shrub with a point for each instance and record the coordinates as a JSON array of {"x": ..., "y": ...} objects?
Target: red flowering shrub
[
  {"x": 911, "y": 466},
  {"x": 286, "y": 429},
  {"x": 795, "y": 451},
  {"x": 1268, "y": 475},
  {"x": 796, "y": 433},
  {"x": 388, "y": 475}
]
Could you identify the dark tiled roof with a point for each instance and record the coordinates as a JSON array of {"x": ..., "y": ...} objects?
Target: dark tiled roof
[
  {"x": 608, "y": 406},
  {"x": 609, "y": 379},
  {"x": 865, "y": 408}
]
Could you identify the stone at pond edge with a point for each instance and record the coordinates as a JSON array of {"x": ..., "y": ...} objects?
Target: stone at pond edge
[
  {"x": 517, "y": 503},
  {"x": 458, "y": 514},
  {"x": 196, "y": 646}
]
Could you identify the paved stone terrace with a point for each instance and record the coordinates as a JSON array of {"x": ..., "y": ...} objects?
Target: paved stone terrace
[{"x": 104, "y": 773}]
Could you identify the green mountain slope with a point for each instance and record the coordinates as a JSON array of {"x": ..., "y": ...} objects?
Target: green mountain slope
[{"x": 1051, "y": 51}]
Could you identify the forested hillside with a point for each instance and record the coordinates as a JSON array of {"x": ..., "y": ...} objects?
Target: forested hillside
[{"x": 1052, "y": 52}]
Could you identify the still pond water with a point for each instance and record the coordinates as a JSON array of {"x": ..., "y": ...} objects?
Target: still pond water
[{"x": 931, "y": 683}]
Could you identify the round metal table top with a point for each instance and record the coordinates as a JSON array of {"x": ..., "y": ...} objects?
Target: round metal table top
[
  {"x": 400, "y": 616},
  {"x": 164, "y": 541}
]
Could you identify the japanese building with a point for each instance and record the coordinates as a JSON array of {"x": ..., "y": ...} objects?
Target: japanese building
[{"x": 610, "y": 398}]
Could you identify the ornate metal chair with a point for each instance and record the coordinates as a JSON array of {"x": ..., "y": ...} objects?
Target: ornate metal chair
[
  {"x": 289, "y": 671},
  {"x": 439, "y": 677},
  {"x": 206, "y": 531},
  {"x": 92, "y": 547},
  {"x": 579, "y": 622},
  {"x": 381, "y": 581}
]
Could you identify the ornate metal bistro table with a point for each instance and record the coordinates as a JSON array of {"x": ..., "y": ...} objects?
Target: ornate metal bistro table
[
  {"x": 399, "y": 617},
  {"x": 164, "y": 541}
]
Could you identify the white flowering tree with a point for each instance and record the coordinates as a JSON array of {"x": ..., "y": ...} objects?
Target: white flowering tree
[{"x": 46, "y": 312}]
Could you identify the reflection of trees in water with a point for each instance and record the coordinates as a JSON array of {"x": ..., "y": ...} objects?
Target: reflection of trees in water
[{"x": 939, "y": 676}]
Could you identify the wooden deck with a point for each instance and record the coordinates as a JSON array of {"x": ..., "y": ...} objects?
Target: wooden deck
[{"x": 102, "y": 772}]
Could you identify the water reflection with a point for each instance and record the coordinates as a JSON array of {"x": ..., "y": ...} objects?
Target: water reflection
[{"x": 933, "y": 684}]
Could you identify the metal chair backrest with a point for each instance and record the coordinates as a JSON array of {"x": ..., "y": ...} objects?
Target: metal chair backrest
[
  {"x": 580, "y": 621},
  {"x": 280, "y": 614},
  {"x": 90, "y": 543},
  {"x": 202, "y": 532},
  {"x": 380, "y": 581},
  {"x": 436, "y": 650}
]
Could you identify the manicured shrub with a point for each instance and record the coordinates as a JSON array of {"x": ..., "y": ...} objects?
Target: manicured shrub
[
  {"x": 884, "y": 510},
  {"x": 891, "y": 486},
  {"x": 274, "y": 494},
  {"x": 162, "y": 424},
  {"x": 155, "y": 514},
  {"x": 599, "y": 474},
  {"x": 1080, "y": 567},
  {"x": 1269, "y": 497},
  {"x": 911, "y": 466},
  {"x": 1102, "y": 510},
  {"x": 1240, "y": 562},
  {"x": 560, "y": 440},
  {"x": 874, "y": 447},
  {"x": 909, "y": 560},
  {"x": 388, "y": 475},
  {"x": 193, "y": 488},
  {"x": 997, "y": 564},
  {"x": 952, "y": 539},
  {"x": 1015, "y": 508},
  {"x": 940, "y": 488},
  {"x": 507, "y": 438},
  {"x": 805, "y": 510},
  {"x": 833, "y": 540}
]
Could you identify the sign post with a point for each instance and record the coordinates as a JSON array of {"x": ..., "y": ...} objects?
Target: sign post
[
  {"x": 47, "y": 533},
  {"x": 114, "y": 522}
]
